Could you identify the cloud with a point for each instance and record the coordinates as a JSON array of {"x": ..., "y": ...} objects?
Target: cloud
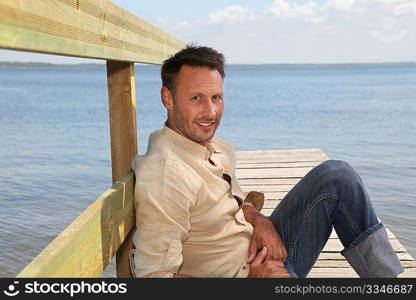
[
  {"x": 398, "y": 7},
  {"x": 312, "y": 12},
  {"x": 307, "y": 31},
  {"x": 309, "y": 12},
  {"x": 341, "y": 5},
  {"x": 230, "y": 15},
  {"x": 169, "y": 26}
]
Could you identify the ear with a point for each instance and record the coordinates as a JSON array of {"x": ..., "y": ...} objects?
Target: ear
[{"x": 166, "y": 97}]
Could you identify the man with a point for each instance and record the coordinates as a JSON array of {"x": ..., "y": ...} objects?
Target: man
[{"x": 193, "y": 220}]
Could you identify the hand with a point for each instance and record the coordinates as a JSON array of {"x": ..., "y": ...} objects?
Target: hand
[
  {"x": 265, "y": 235},
  {"x": 268, "y": 269}
]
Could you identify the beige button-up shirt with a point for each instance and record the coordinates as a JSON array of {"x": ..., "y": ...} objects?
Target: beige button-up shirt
[{"x": 189, "y": 217}]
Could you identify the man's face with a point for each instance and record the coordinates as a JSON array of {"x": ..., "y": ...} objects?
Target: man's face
[{"x": 196, "y": 108}]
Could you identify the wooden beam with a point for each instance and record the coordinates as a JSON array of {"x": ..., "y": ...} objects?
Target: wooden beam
[
  {"x": 82, "y": 28},
  {"x": 88, "y": 244},
  {"x": 123, "y": 134},
  {"x": 122, "y": 111}
]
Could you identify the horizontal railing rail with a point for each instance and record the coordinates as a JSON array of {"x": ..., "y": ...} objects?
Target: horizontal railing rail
[
  {"x": 93, "y": 29},
  {"x": 88, "y": 244}
]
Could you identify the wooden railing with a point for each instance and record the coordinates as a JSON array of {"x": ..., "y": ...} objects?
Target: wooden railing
[{"x": 95, "y": 29}]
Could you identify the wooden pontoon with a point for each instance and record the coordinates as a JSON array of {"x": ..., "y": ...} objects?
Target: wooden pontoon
[{"x": 275, "y": 173}]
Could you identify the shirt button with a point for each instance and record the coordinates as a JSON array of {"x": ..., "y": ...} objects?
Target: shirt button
[{"x": 244, "y": 267}]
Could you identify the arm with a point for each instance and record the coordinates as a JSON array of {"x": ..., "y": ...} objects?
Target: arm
[
  {"x": 269, "y": 261},
  {"x": 265, "y": 263},
  {"x": 163, "y": 199}
]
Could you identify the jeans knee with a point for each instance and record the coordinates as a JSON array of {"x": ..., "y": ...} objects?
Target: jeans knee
[
  {"x": 335, "y": 164},
  {"x": 339, "y": 170}
]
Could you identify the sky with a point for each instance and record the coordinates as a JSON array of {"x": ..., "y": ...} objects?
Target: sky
[{"x": 280, "y": 31}]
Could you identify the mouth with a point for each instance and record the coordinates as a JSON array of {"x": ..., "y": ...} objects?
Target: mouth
[{"x": 206, "y": 126}]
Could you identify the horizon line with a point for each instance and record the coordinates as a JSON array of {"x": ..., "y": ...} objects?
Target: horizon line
[{"x": 231, "y": 64}]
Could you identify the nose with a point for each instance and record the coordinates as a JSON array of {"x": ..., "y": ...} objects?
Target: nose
[{"x": 210, "y": 111}]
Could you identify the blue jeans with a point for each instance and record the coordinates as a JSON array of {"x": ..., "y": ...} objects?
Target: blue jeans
[{"x": 332, "y": 195}]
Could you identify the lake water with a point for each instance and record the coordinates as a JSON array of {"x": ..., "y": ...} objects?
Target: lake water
[{"x": 55, "y": 151}]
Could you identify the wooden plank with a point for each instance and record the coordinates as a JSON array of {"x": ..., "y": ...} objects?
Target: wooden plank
[
  {"x": 292, "y": 153},
  {"x": 268, "y": 188},
  {"x": 123, "y": 134},
  {"x": 267, "y": 211},
  {"x": 268, "y": 181},
  {"x": 330, "y": 263},
  {"x": 87, "y": 245},
  {"x": 82, "y": 28},
  {"x": 408, "y": 272},
  {"x": 274, "y": 195},
  {"x": 335, "y": 245},
  {"x": 332, "y": 273},
  {"x": 280, "y": 159},
  {"x": 267, "y": 165},
  {"x": 349, "y": 273},
  {"x": 270, "y": 205},
  {"x": 390, "y": 234},
  {"x": 403, "y": 256},
  {"x": 272, "y": 173}
]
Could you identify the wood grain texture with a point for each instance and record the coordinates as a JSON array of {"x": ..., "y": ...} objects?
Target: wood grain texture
[
  {"x": 123, "y": 135},
  {"x": 82, "y": 28},
  {"x": 122, "y": 114}
]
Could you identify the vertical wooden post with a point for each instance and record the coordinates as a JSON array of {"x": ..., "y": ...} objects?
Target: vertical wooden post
[{"x": 123, "y": 135}]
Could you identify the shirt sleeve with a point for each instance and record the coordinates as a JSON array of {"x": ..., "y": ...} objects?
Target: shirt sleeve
[{"x": 163, "y": 198}]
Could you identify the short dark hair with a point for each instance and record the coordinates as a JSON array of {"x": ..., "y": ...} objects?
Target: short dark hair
[{"x": 193, "y": 56}]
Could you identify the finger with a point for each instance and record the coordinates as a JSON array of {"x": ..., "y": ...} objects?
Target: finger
[
  {"x": 281, "y": 273},
  {"x": 278, "y": 264},
  {"x": 272, "y": 253},
  {"x": 281, "y": 256},
  {"x": 283, "y": 253},
  {"x": 285, "y": 274},
  {"x": 260, "y": 257},
  {"x": 252, "y": 252}
]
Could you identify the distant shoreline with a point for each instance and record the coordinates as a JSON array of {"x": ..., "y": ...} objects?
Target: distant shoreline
[{"x": 41, "y": 65}]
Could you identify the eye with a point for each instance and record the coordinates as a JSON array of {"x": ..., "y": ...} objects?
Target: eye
[
  {"x": 197, "y": 98},
  {"x": 216, "y": 98}
]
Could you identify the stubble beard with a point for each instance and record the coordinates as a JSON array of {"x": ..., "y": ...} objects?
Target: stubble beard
[{"x": 193, "y": 133}]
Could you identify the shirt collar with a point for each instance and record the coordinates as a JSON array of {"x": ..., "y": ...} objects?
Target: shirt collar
[{"x": 189, "y": 146}]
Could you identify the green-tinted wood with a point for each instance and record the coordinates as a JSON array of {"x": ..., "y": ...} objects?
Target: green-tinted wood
[
  {"x": 87, "y": 245},
  {"x": 82, "y": 28},
  {"x": 123, "y": 135}
]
